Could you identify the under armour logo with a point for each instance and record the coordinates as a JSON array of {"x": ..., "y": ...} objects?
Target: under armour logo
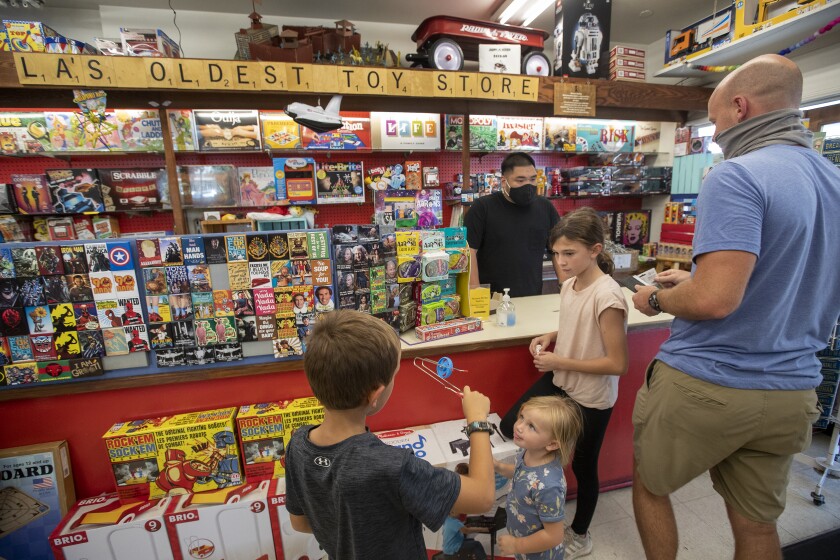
[{"x": 323, "y": 462}]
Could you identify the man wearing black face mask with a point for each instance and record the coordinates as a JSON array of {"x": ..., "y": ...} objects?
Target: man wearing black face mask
[{"x": 508, "y": 231}]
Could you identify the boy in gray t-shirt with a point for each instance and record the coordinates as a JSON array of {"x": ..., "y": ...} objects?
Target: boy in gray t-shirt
[{"x": 361, "y": 498}]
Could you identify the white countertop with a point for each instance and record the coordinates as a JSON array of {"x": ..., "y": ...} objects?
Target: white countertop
[{"x": 535, "y": 315}]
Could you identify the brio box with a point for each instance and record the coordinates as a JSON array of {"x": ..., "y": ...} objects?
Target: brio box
[
  {"x": 421, "y": 440},
  {"x": 464, "y": 325},
  {"x": 288, "y": 543},
  {"x": 27, "y": 36},
  {"x": 628, "y": 75},
  {"x": 185, "y": 453},
  {"x": 627, "y": 63},
  {"x": 222, "y": 525},
  {"x": 264, "y": 431},
  {"x": 103, "y": 528},
  {"x": 36, "y": 490}
]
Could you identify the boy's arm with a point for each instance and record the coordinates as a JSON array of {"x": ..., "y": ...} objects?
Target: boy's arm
[
  {"x": 300, "y": 523},
  {"x": 478, "y": 487},
  {"x": 550, "y": 536}
]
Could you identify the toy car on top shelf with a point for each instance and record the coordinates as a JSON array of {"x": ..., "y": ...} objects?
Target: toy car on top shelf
[{"x": 444, "y": 42}]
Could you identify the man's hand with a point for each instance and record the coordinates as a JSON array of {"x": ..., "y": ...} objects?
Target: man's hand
[
  {"x": 640, "y": 300},
  {"x": 507, "y": 544},
  {"x": 671, "y": 277}
]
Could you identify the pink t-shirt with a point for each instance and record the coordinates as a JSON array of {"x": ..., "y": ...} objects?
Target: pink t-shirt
[{"x": 579, "y": 337}]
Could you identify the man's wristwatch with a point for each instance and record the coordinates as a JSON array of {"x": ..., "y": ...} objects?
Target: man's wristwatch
[
  {"x": 653, "y": 301},
  {"x": 478, "y": 427}
]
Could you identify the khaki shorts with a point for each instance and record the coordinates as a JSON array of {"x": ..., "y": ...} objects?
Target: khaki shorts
[{"x": 746, "y": 438}]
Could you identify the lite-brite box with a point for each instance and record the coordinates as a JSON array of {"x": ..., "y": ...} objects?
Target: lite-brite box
[
  {"x": 288, "y": 543},
  {"x": 464, "y": 325},
  {"x": 103, "y": 528},
  {"x": 222, "y": 525},
  {"x": 191, "y": 452},
  {"x": 264, "y": 431},
  {"x": 36, "y": 490}
]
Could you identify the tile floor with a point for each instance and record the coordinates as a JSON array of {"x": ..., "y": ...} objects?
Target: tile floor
[{"x": 701, "y": 515}]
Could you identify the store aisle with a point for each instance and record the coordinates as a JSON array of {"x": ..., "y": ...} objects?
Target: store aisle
[{"x": 701, "y": 515}]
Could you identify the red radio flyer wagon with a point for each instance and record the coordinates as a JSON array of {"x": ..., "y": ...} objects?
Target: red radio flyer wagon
[{"x": 444, "y": 42}]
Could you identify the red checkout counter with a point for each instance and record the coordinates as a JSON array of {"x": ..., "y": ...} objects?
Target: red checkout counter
[{"x": 496, "y": 359}]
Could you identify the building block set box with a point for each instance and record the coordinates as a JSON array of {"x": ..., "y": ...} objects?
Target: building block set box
[
  {"x": 421, "y": 440},
  {"x": 222, "y": 525},
  {"x": 102, "y": 528},
  {"x": 265, "y": 430},
  {"x": 36, "y": 490},
  {"x": 191, "y": 452},
  {"x": 288, "y": 543},
  {"x": 455, "y": 444}
]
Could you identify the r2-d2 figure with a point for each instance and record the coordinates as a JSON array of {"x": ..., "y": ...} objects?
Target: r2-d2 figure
[{"x": 586, "y": 44}]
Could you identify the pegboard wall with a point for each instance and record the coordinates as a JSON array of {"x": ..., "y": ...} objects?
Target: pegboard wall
[{"x": 448, "y": 164}]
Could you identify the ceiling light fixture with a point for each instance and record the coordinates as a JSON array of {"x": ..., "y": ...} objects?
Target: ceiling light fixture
[
  {"x": 538, "y": 8},
  {"x": 645, "y": 13},
  {"x": 819, "y": 105},
  {"x": 508, "y": 12}
]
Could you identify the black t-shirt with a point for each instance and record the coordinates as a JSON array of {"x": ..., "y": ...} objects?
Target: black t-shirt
[
  {"x": 510, "y": 241},
  {"x": 366, "y": 500}
]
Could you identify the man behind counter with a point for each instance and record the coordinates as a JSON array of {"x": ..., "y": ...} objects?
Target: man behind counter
[{"x": 507, "y": 231}]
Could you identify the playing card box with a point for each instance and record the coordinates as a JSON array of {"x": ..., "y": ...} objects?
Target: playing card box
[
  {"x": 37, "y": 485},
  {"x": 102, "y": 528}
]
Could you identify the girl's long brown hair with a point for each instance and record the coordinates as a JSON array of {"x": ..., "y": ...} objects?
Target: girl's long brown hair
[{"x": 585, "y": 226}]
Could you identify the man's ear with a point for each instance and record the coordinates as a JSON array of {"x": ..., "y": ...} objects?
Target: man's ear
[{"x": 373, "y": 398}]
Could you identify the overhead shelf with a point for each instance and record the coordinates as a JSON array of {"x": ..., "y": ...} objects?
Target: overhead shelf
[{"x": 769, "y": 40}]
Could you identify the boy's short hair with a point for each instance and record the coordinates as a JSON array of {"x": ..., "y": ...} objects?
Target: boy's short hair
[
  {"x": 564, "y": 420},
  {"x": 517, "y": 159},
  {"x": 349, "y": 355}
]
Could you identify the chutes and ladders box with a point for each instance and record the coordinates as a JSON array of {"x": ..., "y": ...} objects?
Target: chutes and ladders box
[
  {"x": 264, "y": 431},
  {"x": 421, "y": 440},
  {"x": 190, "y": 452},
  {"x": 36, "y": 490},
  {"x": 226, "y": 524},
  {"x": 288, "y": 543},
  {"x": 105, "y": 529}
]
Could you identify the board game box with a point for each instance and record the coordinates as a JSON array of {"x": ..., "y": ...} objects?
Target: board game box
[
  {"x": 279, "y": 131},
  {"x": 192, "y": 452},
  {"x": 36, "y": 491},
  {"x": 340, "y": 181},
  {"x": 134, "y": 188},
  {"x": 23, "y": 133},
  {"x": 220, "y": 130}
]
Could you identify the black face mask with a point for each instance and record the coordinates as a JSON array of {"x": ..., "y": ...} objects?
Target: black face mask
[{"x": 524, "y": 195}]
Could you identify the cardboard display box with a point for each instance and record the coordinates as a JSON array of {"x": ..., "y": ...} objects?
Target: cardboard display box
[
  {"x": 36, "y": 490},
  {"x": 222, "y": 525},
  {"x": 264, "y": 431},
  {"x": 191, "y": 452},
  {"x": 288, "y": 543},
  {"x": 102, "y": 528}
]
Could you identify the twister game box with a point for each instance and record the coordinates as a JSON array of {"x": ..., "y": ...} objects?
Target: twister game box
[
  {"x": 185, "y": 453},
  {"x": 265, "y": 429}
]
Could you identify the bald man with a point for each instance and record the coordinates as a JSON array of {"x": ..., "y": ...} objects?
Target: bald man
[{"x": 732, "y": 389}]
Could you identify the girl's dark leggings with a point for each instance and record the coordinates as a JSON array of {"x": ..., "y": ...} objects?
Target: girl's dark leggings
[{"x": 585, "y": 462}]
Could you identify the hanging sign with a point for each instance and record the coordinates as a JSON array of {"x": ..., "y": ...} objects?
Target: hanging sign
[{"x": 574, "y": 99}]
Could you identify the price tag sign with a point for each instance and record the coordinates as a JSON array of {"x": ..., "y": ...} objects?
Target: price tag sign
[{"x": 480, "y": 302}]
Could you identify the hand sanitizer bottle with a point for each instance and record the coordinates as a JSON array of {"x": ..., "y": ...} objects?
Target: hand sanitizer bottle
[{"x": 505, "y": 313}]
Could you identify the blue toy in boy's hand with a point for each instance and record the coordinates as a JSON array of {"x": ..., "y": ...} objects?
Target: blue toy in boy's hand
[{"x": 444, "y": 367}]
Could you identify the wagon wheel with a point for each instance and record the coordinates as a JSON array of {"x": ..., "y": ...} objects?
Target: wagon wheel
[
  {"x": 536, "y": 63},
  {"x": 446, "y": 54}
]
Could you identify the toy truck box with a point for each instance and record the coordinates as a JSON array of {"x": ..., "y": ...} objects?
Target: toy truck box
[
  {"x": 185, "y": 453},
  {"x": 222, "y": 525},
  {"x": 103, "y": 528},
  {"x": 264, "y": 431},
  {"x": 288, "y": 543},
  {"x": 36, "y": 490}
]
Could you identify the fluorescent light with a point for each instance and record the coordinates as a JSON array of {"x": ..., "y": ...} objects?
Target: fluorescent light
[
  {"x": 512, "y": 8},
  {"x": 820, "y": 105},
  {"x": 539, "y": 7}
]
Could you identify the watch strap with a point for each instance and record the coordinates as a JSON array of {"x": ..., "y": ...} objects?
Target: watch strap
[
  {"x": 479, "y": 426},
  {"x": 653, "y": 301}
]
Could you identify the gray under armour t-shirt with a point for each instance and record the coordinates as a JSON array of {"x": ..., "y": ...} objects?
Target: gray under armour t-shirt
[{"x": 366, "y": 500}]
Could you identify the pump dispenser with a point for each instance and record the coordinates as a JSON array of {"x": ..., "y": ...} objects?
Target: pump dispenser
[{"x": 505, "y": 313}]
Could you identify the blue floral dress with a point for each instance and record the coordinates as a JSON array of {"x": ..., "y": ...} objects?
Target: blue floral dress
[{"x": 538, "y": 496}]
